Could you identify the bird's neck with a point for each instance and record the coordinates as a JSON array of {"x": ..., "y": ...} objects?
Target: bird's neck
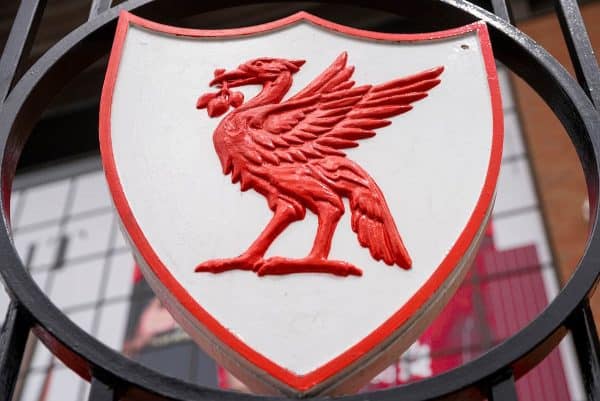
[{"x": 272, "y": 92}]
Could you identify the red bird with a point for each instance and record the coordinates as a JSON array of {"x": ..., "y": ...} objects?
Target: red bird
[{"x": 290, "y": 152}]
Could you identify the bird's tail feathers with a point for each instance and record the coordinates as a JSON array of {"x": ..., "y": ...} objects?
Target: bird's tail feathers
[{"x": 374, "y": 225}]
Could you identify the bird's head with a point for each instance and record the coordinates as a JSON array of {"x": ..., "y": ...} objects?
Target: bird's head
[
  {"x": 255, "y": 72},
  {"x": 259, "y": 71}
]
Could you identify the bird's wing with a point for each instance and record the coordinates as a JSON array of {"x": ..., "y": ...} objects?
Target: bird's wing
[
  {"x": 336, "y": 77},
  {"x": 331, "y": 114}
]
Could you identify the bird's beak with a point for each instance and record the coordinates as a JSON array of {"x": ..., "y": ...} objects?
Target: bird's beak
[{"x": 238, "y": 77}]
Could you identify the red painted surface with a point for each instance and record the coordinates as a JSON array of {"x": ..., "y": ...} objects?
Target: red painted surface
[
  {"x": 290, "y": 152},
  {"x": 228, "y": 339}
]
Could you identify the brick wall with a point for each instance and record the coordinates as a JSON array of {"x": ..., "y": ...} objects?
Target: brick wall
[{"x": 558, "y": 175}]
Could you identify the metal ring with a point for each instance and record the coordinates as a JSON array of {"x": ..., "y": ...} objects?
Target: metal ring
[{"x": 90, "y": 358}]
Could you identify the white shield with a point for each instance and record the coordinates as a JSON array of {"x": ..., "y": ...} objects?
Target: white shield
[{"x": 435, "y": 167}]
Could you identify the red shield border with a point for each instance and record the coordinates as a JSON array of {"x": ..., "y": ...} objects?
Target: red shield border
[{"x": 376, "y": 339}]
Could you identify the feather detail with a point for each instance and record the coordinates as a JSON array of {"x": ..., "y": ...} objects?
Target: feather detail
[
  {"x": 416, "y": 78},
  {"x": 336, "y": 143},
  {"x": 292, "y": 139},
  {"x": 352, "y": 133},
  {"x": 245, "y": 181},
  {"x": 298, "y": 155},
  {"x": 367, "y": 123},
  {"x": 421, "y": 86},
  {"x": 279, "y": 141},
  {"x": 227, "y": 164},
  {"x": 341, "y": 77},
  {"x": 317, "y": 84},
  {"x": 263, "y": 140},
  {"x": 391, "y": 100},
  {"x": 343, "y": 102},
  {"x": 328, "y": 121},
  {"x": 330, "y": 115},
  {"x": 358, "y": 91},
  {"x": 328, "y": 150},
  {"x": 380, "y": 112},
  {"x": 309, "y": 150},
  {"x": 235, "y": 173},
  {"x": 252, "y": 156},
  {"x": 344, "y": 85},
  {"x": 284, "y": 155},
  {"x": 306, "y": 135},
  {"x": 336, "y": 112},
  {"x": 269, "y": 156},
  {"x": 315, "y": 129}
]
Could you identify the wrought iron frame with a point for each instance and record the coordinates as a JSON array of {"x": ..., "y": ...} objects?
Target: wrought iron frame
[{"x": 114, "y": 377}]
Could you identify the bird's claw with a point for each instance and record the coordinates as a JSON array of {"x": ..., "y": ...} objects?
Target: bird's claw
[
  {"x": 222, "y": 265},
  {"x": 280, "y": 266}
]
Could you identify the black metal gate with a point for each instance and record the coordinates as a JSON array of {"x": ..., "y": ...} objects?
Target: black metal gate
[{"x": 23, "y": 97}]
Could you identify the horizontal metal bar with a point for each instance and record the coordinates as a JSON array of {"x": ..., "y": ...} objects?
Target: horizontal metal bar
[
  {"x": 581, "y": 50},
  {"x": 504, "y": 389},
  {"x": 585, "y": 338},
  {"x": 13, "y": 338},
  {"x": 19, "y": 43},
  {"x": 98, "y": 7}
]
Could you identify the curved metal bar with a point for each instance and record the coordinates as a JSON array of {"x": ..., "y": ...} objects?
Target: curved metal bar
[{"x": 90, "y": 358}]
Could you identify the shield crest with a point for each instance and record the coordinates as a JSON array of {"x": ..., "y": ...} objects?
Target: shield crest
[{"x": 304, "y": 197}]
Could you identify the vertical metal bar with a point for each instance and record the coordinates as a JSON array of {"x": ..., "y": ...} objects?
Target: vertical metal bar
[
  {"x": 502, "y": 9},
  {"x": 100, "y": 391},
  {"x": 504, "y": 389},
  {"x": 20, "y": 39},
  {"x": 585, "y": 338},
  {"x": 30, "y": 346},
  {"x": 13, "y": 338},
  {"x": 585, "y": 64},
  {"x": 31, "y": 343},
  {"x": 582, "y": 54},
  {"x": 99, "y": 6}
]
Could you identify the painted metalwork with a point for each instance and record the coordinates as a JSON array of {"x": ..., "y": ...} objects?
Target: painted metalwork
[{"x": 114, "y": 377}]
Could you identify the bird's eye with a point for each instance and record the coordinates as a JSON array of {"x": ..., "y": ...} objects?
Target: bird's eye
[{"x": 258, "y": 64}]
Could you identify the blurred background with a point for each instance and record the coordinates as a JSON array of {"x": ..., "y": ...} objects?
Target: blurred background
[{"x": 66, "y": 233}]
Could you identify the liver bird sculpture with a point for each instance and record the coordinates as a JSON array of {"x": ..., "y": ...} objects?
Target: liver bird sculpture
[{"x": 291, "y": 153}]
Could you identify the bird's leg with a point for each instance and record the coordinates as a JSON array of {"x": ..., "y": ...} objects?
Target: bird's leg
[
  {"x": 252, "y": 258},
  {"x": 283, "y": 216},
  {"x": 316, "y": 261},
  {"x": 329, "y": 216}
]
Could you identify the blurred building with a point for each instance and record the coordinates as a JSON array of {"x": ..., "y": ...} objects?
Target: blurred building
[{"x": 67, "y": 235}]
